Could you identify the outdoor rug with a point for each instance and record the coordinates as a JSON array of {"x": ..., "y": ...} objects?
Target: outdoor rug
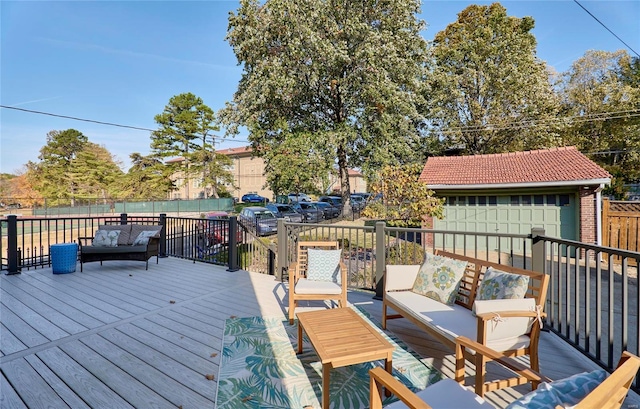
[{"x": 260, "y": 369}]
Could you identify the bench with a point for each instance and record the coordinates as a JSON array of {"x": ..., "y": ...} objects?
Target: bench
[
  {"x": 121, "y": 242},
  {"x": 511, "y": 327}
]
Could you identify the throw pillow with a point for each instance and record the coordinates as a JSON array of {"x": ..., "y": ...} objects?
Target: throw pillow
[
  {"x": 564, "y": 392},
  {"x": 143, "y": 238},
  {"x": 106, "y": 238},
  {"x": 324, "y": 265},
  {"x": 439, "y": 278},
  {"x": 498, "y": 285}
]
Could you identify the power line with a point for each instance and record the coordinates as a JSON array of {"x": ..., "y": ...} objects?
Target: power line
[
  {"x": 92, "y": 120},
  {"x": 78, "y": 119},
  {"x": 607, "y": 28}
]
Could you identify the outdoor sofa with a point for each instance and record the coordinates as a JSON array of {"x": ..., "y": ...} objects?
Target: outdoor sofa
[{"x": 121, "y": 242}]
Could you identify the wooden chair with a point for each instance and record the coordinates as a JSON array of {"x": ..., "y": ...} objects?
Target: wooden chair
[
  {"x": 301, "y": 288},
  {"x": 610, "y": 394}
]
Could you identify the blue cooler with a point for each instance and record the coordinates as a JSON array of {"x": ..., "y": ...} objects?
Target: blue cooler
[{"x": 63, "y": 257}]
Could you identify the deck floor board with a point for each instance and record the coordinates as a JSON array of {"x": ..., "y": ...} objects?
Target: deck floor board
[{"x": 120, "y": 336}]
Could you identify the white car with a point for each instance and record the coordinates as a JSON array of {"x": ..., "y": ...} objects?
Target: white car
[{"x": 299, "y": 197}]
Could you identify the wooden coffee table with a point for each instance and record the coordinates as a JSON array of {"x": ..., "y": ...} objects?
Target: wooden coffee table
[{"x": 341, "y": 337}]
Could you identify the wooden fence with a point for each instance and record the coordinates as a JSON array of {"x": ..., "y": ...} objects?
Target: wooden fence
[{"x": 620, "y": 222}]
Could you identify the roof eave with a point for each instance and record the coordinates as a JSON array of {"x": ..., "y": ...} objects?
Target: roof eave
[{"x": 559, "y": 183}]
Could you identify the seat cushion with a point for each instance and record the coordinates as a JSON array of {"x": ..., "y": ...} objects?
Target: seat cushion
[
  {"x": 111, "y": 250},
  {"x": 439, "y": 278},
  {"x": 306, "y": 286},
  {"x": 447, "y": 394},
  {"x": 563, "y": 392}
]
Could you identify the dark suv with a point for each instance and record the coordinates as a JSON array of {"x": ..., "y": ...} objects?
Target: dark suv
[{"x": 286, "y": 212}]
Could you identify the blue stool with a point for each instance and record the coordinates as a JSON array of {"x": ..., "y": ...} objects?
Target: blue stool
[{"x": 63, "y": 257}]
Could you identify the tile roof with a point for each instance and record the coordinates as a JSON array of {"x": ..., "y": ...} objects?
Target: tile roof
[{"x": 565, "y": 164}]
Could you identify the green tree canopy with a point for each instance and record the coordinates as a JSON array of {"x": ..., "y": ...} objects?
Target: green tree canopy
[
  {"x": 488, "y": 91},
  {"x": 148, "y": 178},
  {"x": 344, "y": 73},
  {"x": 186, "y": 128}
]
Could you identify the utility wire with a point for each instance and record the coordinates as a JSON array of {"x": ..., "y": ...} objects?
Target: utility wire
[
  {"x": 90, "y": 120},
  {"x": 607, "y": 28}
]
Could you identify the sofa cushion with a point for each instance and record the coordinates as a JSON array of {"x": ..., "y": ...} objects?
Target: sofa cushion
[
  {"x": 143, "y": 237},
  {"x": 114, "y": 250},
  {"x": 563, "y": 392},
  {"x": 450, "y": 321},
  {"x": 106, "y": 238},
  {"x": 136, "y": 229},
  {"x": 324, "y": 265},
  {"x": 306, "y": 286},
  {"x": 439, "y": 278},
  {"x": 125, "y": 232},
  {"x": 505, "y": 328},
  {"x": 447, "y": 394},
  {"x": 496, "y": 285}
]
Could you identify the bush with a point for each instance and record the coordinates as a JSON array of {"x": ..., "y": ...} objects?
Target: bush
[{"x": 404, "y": 252}]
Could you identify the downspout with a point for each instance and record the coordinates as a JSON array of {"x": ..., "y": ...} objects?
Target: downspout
[{"x": 599, "y": 215}]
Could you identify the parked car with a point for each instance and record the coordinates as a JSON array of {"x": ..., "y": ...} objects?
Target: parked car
[
  {"x": 299, "y": 197},
  {"x": 334, "y": 200},
  {"x": 259, "y": 219},
  {"x": 329, "y": 210},
  {"x": 311, "y": 213},
  {"x": 286, "y": 212},
  {"x": 254, "y": 198},
  {"x": 214, "y": 229},
  {"x": 357, "y": 202}
]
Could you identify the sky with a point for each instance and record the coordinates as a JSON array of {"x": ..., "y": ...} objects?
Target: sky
[{"x": 121, "y": 61}]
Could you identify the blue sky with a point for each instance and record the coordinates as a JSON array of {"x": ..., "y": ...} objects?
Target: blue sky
[{"x": 121, "y": 62}]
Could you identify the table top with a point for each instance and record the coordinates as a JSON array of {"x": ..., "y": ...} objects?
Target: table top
[{"x": 341, "y": 337}]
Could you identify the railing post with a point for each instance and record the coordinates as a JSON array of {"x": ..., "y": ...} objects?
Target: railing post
[
  {"x": 12, "y": 242},
  {"x": 538, "y": 254},
  {"x": 283, "y": 251},
  {"x": 380, "y": 259},
  {"x": 163, "y": 236},
  {"x": 233, "y": 244},
  {"x": 123, "y": 218}
]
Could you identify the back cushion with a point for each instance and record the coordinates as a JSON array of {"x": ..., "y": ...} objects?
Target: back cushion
[
  {"x": 324, "y": 265},
  {"x": 136, "y": 229},
  {"x": 498, "y": 285},
  {"x": 439, "y": 278},
  {"x": 125, "y": 232}
]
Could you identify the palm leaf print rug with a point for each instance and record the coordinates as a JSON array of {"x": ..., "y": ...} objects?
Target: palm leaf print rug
[{"x": 260, "y": 369}]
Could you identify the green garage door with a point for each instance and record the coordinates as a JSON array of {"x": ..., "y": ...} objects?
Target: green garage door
[{"x": 513, "y": 214}]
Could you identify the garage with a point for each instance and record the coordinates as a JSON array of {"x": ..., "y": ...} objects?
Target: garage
[{"x": 510, "y": 193}]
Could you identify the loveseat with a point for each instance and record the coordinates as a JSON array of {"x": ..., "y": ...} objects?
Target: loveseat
[
  {"x": 121, "y": 242},
  {"x": 446, "y": 297}
]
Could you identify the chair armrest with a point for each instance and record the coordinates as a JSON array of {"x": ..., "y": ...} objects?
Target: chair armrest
[
  {"x": 462, "y": 343},
  {"x": 293, "y": 274},
  {"x": 380, "y": 378},
  {"x": 85, "y": 240},
  {"x": 343, "y": 276}
]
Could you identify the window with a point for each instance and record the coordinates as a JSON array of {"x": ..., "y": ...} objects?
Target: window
[
  {"x": 551, "y": 200},
  {"x": 493, "y": 200},
  {"x": 482, "y": 200},
  {"x": 515, "y": 200},
  {"x": 564, "y": 200},
  {"x": 472, "y": 200},
  {"x": 451, "y": 200},
  {"x": 462, "y": 200},
  {"x": 526, "y": 199},
  {"x": 538, "y": 200}
]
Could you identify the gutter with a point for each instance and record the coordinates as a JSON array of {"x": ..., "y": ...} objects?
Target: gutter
[{"x": 562, "y": 183}]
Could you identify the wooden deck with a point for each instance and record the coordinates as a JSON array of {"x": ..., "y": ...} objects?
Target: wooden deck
[{"x": 117, "y": 336}]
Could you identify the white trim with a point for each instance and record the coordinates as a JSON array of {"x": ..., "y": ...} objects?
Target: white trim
[
  {"x": 522, "y": 184},
  {"x": 599, "y": 215}
]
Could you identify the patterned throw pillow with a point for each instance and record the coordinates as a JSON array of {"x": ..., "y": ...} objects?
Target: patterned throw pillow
[
  {"x": 439, "y": 278},
  {"x": 143, "y": 238},
  {"x": 498, "y": 285},
  {"x": 564, "y": 392},
  {"x": 106, "y": 238},
  {"x": 324, "y": 265}
]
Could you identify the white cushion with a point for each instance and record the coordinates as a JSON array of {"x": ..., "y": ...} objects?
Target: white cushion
[
  {"x": 400, "y": 277},
  {"x": 450, "y": 321},
  {"x": 306, "y": 286},
  {"x": 143, "y": 237},
  {"x": 501, "y": 328},
  {"x": 447, "y": 394},
  {"x": 323, "y": 265},
  {"x": 106, "y": 238}
]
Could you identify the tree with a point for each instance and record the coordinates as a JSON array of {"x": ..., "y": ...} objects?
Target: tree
[
  {"x": 95, "y": 172},
  {"x": 488, "y": 91},
  {"x": 186, "y": 129},
  {"x": 344, "y": 74},
  {"x": 148, "y": 178},
  {"x": 51, "y": 176},
  {"x": 601, "y": 96},
  {"x": 406, "y": 200}
]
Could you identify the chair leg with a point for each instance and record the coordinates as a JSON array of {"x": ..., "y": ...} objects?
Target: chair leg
[
  {"x": 292, "y": 307},
  {"x": 384, "y": 316},
  {"x": 460, "y": 362},
  {"x": 481, "y": 368}
]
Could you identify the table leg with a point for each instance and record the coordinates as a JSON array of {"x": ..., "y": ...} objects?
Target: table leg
[
  {"x": 326, "y": 368},
  {"x": 299, "y": 337},
  {"x": 388, "y": 366}
]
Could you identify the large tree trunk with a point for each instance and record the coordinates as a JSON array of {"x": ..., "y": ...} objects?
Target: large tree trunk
[{"x": 345, "y": 187}]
